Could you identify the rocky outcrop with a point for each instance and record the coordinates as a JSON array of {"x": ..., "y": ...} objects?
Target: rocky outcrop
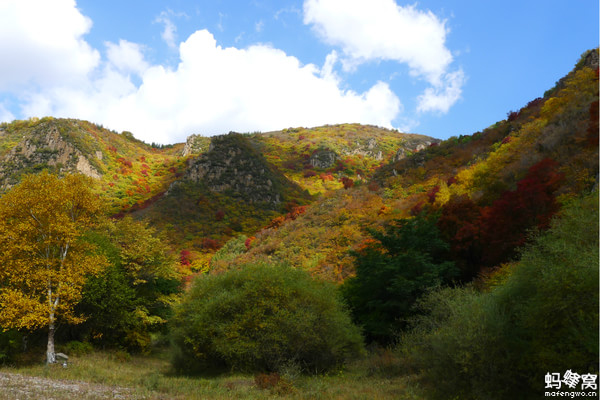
[
  {"x": 412, "y": 146},
  {"x": 44, "y": 148},
  {"x": 195, "y": 144},
  {"x": 367, "y": 148},
  {"x": 323, "y": 158},
  {"x": 234, "y": 167}
]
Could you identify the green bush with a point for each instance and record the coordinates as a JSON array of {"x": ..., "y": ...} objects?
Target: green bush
[
  {"x": 262, "y": 318},
  {"x": 392, "y": 272},
  {"x": 543, "y": 318},
  {"x": 77, "y": 348},
  {"x": 10, "y": 345}
]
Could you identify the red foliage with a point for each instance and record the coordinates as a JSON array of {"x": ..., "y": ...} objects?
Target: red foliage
[
  {"x": 432, "y": 193},
  {"x": 144, "y": 172},
  {"x": 417, "y": 208},
  {"x": 452, "y": 180},
  {"x": 143, "y": 159},
  {"x": 276, "y": 222},
  {"x": 210, "y": 244},
  {"x": 347, "y": 182},
  {"x": 112, "y": 149},
  {"x": 292, "y": 215},
  {"x": 459, "y": 225},
  {"x": 326, "y": 177},
  {"x": 373, "y": 187},
  {"x": 339, "y": 166},
  {"x": 248, "y": 242},
  {"x": 293, "y": 165},
  {"x": 534, "y": 102},
  {"x": 506, "y": 140},
  {"x": 219, "y": 215},
  {"x": 309, "y": 173},
  {"x": 513, "y": 115},
  {"x": 504, "y": 224},
  {"x": 184, "y": 257},
  {"x": 125, "y": 162}
]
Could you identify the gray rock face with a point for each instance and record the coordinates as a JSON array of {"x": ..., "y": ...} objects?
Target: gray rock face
[
  {"x": 195, "y": 144},
  {"x": 413, "y": 146},
  {"x": 365, "y": 149},
  {"x": 46, "y": 148},
  {"x": 323, "y": 159},
  {"x": 231, "y": 164}
]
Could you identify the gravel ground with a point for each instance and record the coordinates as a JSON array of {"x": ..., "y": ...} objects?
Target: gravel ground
[{"x": 22, "y": 387}]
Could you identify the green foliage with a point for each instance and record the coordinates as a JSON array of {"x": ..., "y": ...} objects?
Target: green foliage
[
  {"x": 393, "y": 271},
  {"x": 260, "y": 318},
  {"x": 10, "y": 345},
  {"x": 499, "y": 344},
  {"x": 134, "y": 295}
]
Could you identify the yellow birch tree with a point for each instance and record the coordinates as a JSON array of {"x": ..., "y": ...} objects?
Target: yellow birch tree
[{"x": 43, "y": 261}]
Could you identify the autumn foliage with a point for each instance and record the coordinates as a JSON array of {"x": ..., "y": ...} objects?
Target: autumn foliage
[{"x": 44, "y": 262}]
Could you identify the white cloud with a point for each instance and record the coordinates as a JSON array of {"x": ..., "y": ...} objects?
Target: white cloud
[
  {"x": 126, "y": 57},
  {"x": 5, "y": 114},
  {"x": 49, "y": 69},
  {"x": 213, "y": 90},
  {"x": 259, "y": 26},
  {"x": 169, "y": 33},
  {"x": 442, "y": 97},
  {"x": 383, "y": 30},
  {"x": 42, "y": 43}
]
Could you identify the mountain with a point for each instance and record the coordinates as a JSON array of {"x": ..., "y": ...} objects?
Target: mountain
[
  {"x": 209, "y": 189},
  {"x": 489, "y": 189},
  {"x": 308, "y": 196}
]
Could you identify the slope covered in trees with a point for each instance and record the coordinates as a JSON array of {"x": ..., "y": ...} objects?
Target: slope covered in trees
[
  {"x": 461, "y": 247},
  {"x": 490, "y": 189}
]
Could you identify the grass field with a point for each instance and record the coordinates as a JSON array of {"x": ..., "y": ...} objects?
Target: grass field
[{"x": 104, "y": 375}]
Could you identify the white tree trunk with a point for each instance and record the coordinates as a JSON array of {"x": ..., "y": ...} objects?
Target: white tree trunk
[{"x": 50, "y": 354}]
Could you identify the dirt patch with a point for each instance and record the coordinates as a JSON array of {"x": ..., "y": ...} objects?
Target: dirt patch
[{"x": 22, "y": 387}]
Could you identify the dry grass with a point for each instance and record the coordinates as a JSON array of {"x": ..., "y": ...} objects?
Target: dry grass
[{"x": 111, "y": 376}]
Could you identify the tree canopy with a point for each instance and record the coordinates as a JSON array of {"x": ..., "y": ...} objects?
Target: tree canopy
[{"x": 44, "y": 261}]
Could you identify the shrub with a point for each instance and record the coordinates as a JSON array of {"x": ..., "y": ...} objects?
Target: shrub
[
  {"x": 543, "y": 318},
  {"x": 393, "y": 271},
  {"x": 261, "y": 318},
  {"x": 10, "y": 345}
]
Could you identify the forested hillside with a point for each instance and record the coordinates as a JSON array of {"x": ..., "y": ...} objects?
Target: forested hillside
[
  {"x": 208, "y": 190},
  {"x": 468, "y": 265},
  {"x": 488, "y": 189}
]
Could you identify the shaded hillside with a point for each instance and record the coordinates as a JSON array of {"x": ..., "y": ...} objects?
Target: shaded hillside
[
  {"x": 228, "y": 190},
  {"x": 515, "y": 171}
]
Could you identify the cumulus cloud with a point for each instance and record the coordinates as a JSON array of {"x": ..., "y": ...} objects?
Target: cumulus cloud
[
  {"x": 442, "y": 97},
  {"x": 383, "y": 30},
  {"x": 213, "y": 90},
  {"x": 38, "y": 50},
  {"x": 126, "y": 56},
  {"x": 50, "y": 69}
]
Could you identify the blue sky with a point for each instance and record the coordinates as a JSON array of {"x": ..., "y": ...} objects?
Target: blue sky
[{"x": 166, "y": 69}]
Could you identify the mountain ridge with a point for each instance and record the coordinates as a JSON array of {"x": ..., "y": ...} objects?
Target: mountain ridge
[{"x": 254, "y": 188}]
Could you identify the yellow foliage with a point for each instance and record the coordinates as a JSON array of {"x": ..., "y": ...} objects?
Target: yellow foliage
[
  {"x": 44, "y": 264},
  {"x": 443, "y": 195}
]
